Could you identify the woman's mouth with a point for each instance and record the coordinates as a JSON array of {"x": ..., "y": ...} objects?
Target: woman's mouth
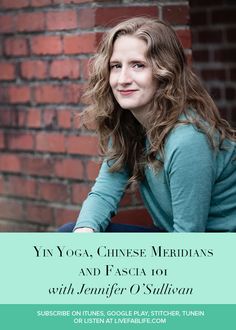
[{"x": 127, "y": 92}]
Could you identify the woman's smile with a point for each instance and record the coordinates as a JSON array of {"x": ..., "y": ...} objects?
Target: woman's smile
[{"x": 127, "y": 92}]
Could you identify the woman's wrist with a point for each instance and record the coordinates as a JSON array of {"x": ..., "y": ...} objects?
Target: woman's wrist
[{"x": 83, "y": 230}]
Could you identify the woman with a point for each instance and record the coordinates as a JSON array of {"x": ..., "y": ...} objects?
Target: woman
[{"x": 157, "y": 126}]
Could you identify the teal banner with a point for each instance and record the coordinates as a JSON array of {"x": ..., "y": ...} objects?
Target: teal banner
[{"x": 72, "y": 317}]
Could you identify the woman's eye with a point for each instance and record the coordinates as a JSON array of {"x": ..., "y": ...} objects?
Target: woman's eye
[
  {"x": 115, "y": 66},
  {"x": 138, "y": 65}
]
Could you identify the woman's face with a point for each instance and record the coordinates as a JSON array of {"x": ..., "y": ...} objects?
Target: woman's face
[{"x": 131, "y": 77}]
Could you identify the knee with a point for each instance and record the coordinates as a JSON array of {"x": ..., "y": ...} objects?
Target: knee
[{"x": 66, "y": 228}]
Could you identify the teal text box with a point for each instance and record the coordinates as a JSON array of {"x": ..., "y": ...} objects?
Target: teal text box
[{"x": 127, "y": 268}]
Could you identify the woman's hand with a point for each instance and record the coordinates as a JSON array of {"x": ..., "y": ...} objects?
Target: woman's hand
[{"x": 83, "y": 230}]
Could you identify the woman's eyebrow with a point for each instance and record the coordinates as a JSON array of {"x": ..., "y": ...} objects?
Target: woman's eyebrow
[
  {"x": 138, "y": 61},
  {"x": 134, "y": 60}
]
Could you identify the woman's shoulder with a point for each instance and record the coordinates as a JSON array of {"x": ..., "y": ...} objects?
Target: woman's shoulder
[
  {"x": 187, "y": 138},
  {"x": 185, "y": 134},
  {"x": 187, "y": 130}
]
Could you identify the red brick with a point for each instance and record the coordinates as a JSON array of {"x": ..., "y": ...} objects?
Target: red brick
[
  {"x": 76, "y": 122},
  {"x": 105, "y": 16},
  {"x": 225, "y": 55},
  {"x": 92, "y": 170},
  {"x": 53, "y": 191},
  {"x": 34, "y": 118},
  {"x": 18, "y": 226},
  {"x": 38, "y": 166},
  {"x": 21, "y": 187},
  {"x": 2, "y": 190},
  {"x": 233, "y": 116},
  {"x": 208, "y": 36},
  {"x": 49, "y": 94},
  {"x": 11, "y": 209},
  {"x": 61, "y": 69},
  {"x": 189, "y": 58},
  {"x": 138, "y": 197},
  {"x": 213, "y": 74},
  {"x": 39, "y": 213},
  {"x": 33, "y": 69},
  {"x": 185, "y": 38},
  {"x": 20, "y": 141},
  {"x": 72, "y": 1},
  {"x": 7, "y": 71},
  {"x": 30, "y": 22},
  {"x": 19, "y": 94},
  {"x": 86, "y": 18},
  {"x": 223, "y": 15},
  {"x": 12, "y": 118},
  {"x": 46, "y": 45},
  {"x": 99, "y": 36},
  {"x": 61, "y": 20},
  {"x": 9, "y": 163},
  {"x": 41, "y": 3},
  {"x": 126, "y": 200},
  {"x": 7, "y": 24},
  {"x": 224, "y": 113},
  {"x": 84, "y": 145},
  {"x": 5, "y": 118},
  {"x": 215, "y": 93},
  {"x": 49, "y": 118},
  {"x": 16, "y": 46},
  {"x": 13, "y": 4},
  {"x": 233, "y": 74},
  {"x": 64, "y": 215},
  {"x": 4, "y": 97},
  {"x": 199, "y": 17},
  {"x": 204, "y": 3},
  {"x": 80, "y": 44},
  {"x": 176, "y": 14},
  {"x": 50, "y": 142},
  {"x": 80, "y": 192},
  {"x": 2, "y": 140},
  {"x": 64, "y": 118},
  {"x": 72, "y": 93},
  {"x": 85, "y": 68},
  {"x": 231, "y": 35},
  {"x": 201, "y": 55},
  {"x": 139, "y": 217},
  {"x": 194, "y": 33},
  {"x": 69, "y": 168},
  {"x": 20, "y": 119}
]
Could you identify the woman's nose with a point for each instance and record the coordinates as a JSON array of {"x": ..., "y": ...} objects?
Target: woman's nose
[{"x": 124, "y": 76}]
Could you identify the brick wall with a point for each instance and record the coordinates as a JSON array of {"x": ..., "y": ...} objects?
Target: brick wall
[
  {"x": 213, "y": 25},
  {"x": 47, "y": 163}
]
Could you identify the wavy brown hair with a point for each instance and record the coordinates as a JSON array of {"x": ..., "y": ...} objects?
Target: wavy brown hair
[{"x": 121, "y": 136}]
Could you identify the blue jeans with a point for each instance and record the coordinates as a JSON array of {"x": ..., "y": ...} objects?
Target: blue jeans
[{"x": 112, "y": 228}]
